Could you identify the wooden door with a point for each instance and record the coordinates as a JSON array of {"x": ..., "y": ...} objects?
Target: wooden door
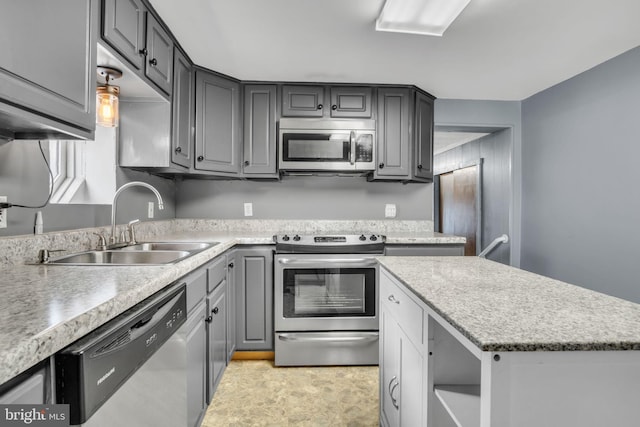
[{"x": 458, "y": 205}]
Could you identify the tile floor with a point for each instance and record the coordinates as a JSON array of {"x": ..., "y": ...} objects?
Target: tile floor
[{"x": 256, "y": 393}]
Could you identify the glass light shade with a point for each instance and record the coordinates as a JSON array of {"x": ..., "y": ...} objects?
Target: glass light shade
[
  {"x": 427, "y": 17},
  {"x": 107, "y": 114}
]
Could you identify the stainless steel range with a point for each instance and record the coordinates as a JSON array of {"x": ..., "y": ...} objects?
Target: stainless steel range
[{"x": 325, "y": 291}]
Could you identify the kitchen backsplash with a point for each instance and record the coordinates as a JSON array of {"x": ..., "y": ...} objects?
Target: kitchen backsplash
[{"x": 24, "y": 249}]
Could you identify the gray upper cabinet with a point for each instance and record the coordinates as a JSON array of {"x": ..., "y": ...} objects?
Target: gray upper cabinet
[
  {"x": 123, "y": 27},
  {"x": 351, "y": 101},
  {"x": 46, "y": 90},
  {"x": 423, "y": 163},
  {"x": 159, "y": 60},
  {"x": 135, "y": 33},
  {"x": 302, "y": 101},
  {"x": 393, "y": 132},
  {"x": 182, "y": 121},
  {"x": 217, "y": 147},
  {"x": 259, "y": 131},
  {"x": 404, "y": 135}
]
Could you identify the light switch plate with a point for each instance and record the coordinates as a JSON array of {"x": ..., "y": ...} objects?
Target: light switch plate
[
  {"x": 248, "y": 209},
  {"x": 390, "y": 210},
  {"x": 150, "y": 210}
]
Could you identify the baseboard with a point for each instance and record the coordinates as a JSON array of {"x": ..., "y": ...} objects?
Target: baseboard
[{"x": 253, "y": 355}]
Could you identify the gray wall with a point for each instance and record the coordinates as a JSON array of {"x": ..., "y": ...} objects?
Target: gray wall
[
  {"x": 303, "y": 198},
  {"x": 581, "y": 197},
  {"x": 479, "y": 115},
  {"x": 495, "y": 151},
  {"x": 25, "y": 180}
]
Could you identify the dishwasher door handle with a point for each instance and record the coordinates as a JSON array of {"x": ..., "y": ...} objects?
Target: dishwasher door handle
[{"x": 145, "y": 325}]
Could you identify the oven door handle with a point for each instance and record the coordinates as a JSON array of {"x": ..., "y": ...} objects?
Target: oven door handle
[
  {"x": 359, "y": 338},
  {"x": 313, "y": 262},
  {"x": 352, "y": 143}
]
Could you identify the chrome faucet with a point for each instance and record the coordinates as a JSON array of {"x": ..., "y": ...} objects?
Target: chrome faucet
[{"x": 113, "y": 238}]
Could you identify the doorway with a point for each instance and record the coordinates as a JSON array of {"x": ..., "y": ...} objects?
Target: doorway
[{"x": 460, "y": 206}]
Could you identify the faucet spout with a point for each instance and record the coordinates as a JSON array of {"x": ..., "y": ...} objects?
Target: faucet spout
[{"x": 112, "y": 238}]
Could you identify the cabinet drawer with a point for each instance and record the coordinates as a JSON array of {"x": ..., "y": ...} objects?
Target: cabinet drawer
[
  {"x": 196, "y": 288},
  {"x": 406, "y": 311},
  {"x": 217, "y": 272}
]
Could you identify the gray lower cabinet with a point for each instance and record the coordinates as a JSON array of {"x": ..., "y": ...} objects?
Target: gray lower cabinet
[
  {"x": 231, "y": 304},
  {"x": 217, "y": 146},
  {"x": 45, "y": 91},
  {"x": 195, "y": 337},
  {"x": 217, "y": 321},
  {"x": 30, "y": 387},
  {"x": 405, "y": 135},
  {"x": 182, "y": 123},
  {"x": 254, "y": 304},
  {"x": 259, "y": 131},
  {"x": 402, "y": 358}
]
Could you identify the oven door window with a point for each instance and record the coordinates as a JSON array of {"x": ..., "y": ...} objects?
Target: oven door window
[
  {"x": 329, "y": 292},
  {"x": 316, "y": 147}
]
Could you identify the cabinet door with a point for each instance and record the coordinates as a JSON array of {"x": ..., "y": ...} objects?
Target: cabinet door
[
  {"x": 254, "y": 287},
  {"x": 196, "y": 342},
  {"x": 424, "y": 137},
  {"x": 389, "y": 370},
  {"x": 409, "y": 394},
  {"x": 159, "y": 59},
  {"x": 259, "y": 130},
  {"x": 351, "y": 102},
  {"x": 302, "y": 101},
  {"x": 217, "y": 321},
  {"x": 182, "y": 111},
  {"x": 231, "y": 305},
  {"x": 393, "y": 132},
  {"x": 48, "y": 62},
  {"x": 217, "y": 123},
  {"x": 123, "y": 27}
]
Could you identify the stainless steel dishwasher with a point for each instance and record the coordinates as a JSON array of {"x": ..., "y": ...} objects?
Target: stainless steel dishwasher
[{"x": 130, "y": 371}]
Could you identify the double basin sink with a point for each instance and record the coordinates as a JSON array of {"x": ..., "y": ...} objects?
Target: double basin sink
[{"x": 152, "y": 253}]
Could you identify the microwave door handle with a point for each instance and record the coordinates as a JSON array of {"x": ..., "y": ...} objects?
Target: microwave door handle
[{"x": 352, "y": 141}]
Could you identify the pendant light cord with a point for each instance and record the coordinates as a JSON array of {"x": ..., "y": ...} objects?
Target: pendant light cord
[{"x": 46, "y": 202}]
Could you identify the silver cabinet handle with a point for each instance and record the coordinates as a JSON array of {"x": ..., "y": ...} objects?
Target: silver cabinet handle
[
  {"x": 393, "y": 299},
  {"x": 394, "y": 401},
  {"x": 352, "y": 141},
  {"x": 309, "y": 261}
]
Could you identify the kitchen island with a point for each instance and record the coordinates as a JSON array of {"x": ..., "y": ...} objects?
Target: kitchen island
[{"x": 466, "y": 341}]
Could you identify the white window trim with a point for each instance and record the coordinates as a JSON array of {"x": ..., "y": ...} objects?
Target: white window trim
[{"x": 71, "y": 176}]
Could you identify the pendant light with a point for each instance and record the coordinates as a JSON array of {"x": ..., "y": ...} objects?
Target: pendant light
[{"x": 107, "y": 98}]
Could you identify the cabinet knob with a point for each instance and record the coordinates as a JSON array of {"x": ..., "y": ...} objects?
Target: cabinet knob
[
  {"x": 334, "y": 107},
  {"x": 420, "y": 167},
  {"x": 246, "y": 162},
  {"x": 178, "y": 150},
  {"x": 230, "y": 265},
  {"x": 319, "y": 106},
  {"x": 143, "y": 51},
  {"x": 208, "y": 319},
  {"x": 200, "y": 158},
  {"x": 215, "y": 310},
  {"x": 381, "y": 166},
  {"x": 153, "y": 62}
]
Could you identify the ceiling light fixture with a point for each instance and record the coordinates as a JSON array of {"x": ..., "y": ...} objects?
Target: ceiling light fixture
[
  {"x": 427, "y": 17},
  {"x": 107, "y": 98}
]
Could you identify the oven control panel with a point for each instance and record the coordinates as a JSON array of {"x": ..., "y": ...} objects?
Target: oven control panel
[{"x": 349, "y": 243}]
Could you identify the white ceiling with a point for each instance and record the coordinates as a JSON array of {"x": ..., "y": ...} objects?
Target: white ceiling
[{"x": 496, "y": 49}]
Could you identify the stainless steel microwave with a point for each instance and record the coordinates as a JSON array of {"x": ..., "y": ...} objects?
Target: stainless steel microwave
[{"x": 326, "y": 145}]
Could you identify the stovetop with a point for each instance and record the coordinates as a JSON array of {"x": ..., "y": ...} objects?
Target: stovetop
[{"x": 333, "y": 243}]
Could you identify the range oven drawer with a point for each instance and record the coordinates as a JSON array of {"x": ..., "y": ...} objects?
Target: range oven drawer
[{"x": 326, "y": 348}]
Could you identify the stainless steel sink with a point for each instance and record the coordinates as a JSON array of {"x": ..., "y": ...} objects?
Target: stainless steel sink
[
  {"x": 119, "y": 257},
  {"x": 169, "y": 246}
]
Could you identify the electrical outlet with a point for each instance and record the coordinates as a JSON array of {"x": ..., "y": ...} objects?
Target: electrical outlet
[
  {"x": 248, "y": 209},
  {"x": 150, "y": 210},
  {"x": 3, "y": 213},
  {"x": 390, "y": 210}
]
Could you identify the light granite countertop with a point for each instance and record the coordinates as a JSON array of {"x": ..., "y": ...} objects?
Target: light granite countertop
[
  {"x": 501, "y": 308},
  {"x": 44, "y": 308}
]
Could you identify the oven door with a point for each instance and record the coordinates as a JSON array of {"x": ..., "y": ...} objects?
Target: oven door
[{"x": 316, "y": 292}]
